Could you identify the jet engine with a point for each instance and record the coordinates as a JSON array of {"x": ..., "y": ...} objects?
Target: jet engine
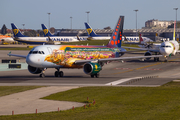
[
  {"x": 148, "y": 54},
  {"x": 92, "y": 68},
  {"x": 34, "y": 70}
]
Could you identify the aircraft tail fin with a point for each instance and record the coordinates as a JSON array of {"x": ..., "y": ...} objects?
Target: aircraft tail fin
[
  {"x": 174, "y": 34},
  {"x": 140, "y": 38},
  {"x": 90, "y": 31},
  {"x": 116, "y": 38},
  {"x": 46, "y": 31},
  {"x": 16, "y": 31}
]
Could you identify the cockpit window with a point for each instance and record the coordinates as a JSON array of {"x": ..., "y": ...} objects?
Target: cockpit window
[
  {"x": 36, "y": 52},
  {"x": 166, "y": 46}
]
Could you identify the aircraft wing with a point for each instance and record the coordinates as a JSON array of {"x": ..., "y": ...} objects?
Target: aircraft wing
[
  {"x": 23, "y": 56},
  {"x": 114, "y": 59},
  {"x": 142, "y": 49}
]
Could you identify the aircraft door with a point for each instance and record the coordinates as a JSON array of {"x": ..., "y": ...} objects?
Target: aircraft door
[{"x": 49, "y": 50}]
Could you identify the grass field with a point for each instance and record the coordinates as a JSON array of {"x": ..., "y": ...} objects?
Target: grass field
[{"x": 115, "y": 103}]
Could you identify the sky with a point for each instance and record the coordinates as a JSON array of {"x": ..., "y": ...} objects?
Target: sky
[{"x": 103, "y": 13}]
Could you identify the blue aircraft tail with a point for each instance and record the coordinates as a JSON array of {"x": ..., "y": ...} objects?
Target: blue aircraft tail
[
  {"x": 16, "y": 31},
  {"x": 46, "y": 31},
  {"x": 116, "y": 38},
  {"x": 90, "y": 31}
]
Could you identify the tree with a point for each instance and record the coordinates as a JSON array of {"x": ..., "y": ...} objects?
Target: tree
[
  {"x": 31, "y": 33},
  {"x": 52, "y": 30},
  {"x": 4, "y": 30},
  {"x": 107, "y": 28}
]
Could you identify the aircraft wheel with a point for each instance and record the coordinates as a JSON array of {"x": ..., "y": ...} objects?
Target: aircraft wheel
[
  {"x": 92, "y": 76},
  {"x": 42, "y": 75},
  {"x": 61, "y": 74},
  {"x": 96, "y": 75},
  {"x": 56, "y": 74},
  {"x": 154, "y": 59},
  {"x": 158, "y": 59}
]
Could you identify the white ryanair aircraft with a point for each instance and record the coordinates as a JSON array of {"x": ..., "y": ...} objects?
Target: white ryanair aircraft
[
  {"x": 18, "y": 36},
  {"x": 90, "y": 58},
  {"x": 166, "y": 48},
  {"x": 128, "y": 39}
]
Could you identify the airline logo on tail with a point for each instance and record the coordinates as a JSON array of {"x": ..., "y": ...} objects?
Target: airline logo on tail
[
  {"x": 89, "y": 30},
  {"x": 15, "y": 31},
  {"x": 140, "y": 38},
  {"x": 45, "y": 31}
]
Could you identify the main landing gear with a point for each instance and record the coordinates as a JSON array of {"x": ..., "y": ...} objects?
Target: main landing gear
[
  {"x": 156, "y": 58},
  {"x": 95, "y": 75},
  {"x": 58, "y": 73}
]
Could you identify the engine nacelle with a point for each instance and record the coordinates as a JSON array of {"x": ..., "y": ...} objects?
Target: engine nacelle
[
  {"x": 92, "y": 68},
  {"x": 148, "y": 54},
  {"x": 34, "y": 70}
]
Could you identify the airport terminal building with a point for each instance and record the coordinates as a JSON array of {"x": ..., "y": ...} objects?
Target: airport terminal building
[
  {"x": 154, "y": 34},
  {"x": 154, "y": 29}
]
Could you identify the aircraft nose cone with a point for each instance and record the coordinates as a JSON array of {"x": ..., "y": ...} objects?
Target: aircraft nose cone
[
  {"x": 165, "y": 51},
  {"x": 33, "y": 61}
]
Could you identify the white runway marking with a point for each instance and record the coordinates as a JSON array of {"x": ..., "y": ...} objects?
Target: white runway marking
[{"x": 121, "y": 81}]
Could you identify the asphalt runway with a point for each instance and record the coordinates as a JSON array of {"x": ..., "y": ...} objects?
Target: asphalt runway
[{"x": 127, "y": 73}]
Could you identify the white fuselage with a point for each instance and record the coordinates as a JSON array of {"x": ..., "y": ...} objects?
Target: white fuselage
[
  {"x": 41, "y": 40},
  {"x": 129, "y": 39},
  {"x": 136, "y": 39},
  {"x": 6, "y": 40}
]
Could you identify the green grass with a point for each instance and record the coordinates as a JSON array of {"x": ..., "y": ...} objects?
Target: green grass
[{"x": 114, "y": 103}]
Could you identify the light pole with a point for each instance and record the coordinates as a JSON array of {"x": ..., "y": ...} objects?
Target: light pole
[
  {"x": 23, "y": 25},
  {"x": 49, "y": 19},
  {"x": 88, "y": 16},
  {"x": 23, "y": 28},
  {"x": 136, "y": 20},
  {"x": 71, "y": 23},
  {"x": 176, "y": 19}
]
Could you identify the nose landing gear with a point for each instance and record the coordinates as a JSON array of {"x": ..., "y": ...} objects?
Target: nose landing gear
[{"x": 42, "y": 75}]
